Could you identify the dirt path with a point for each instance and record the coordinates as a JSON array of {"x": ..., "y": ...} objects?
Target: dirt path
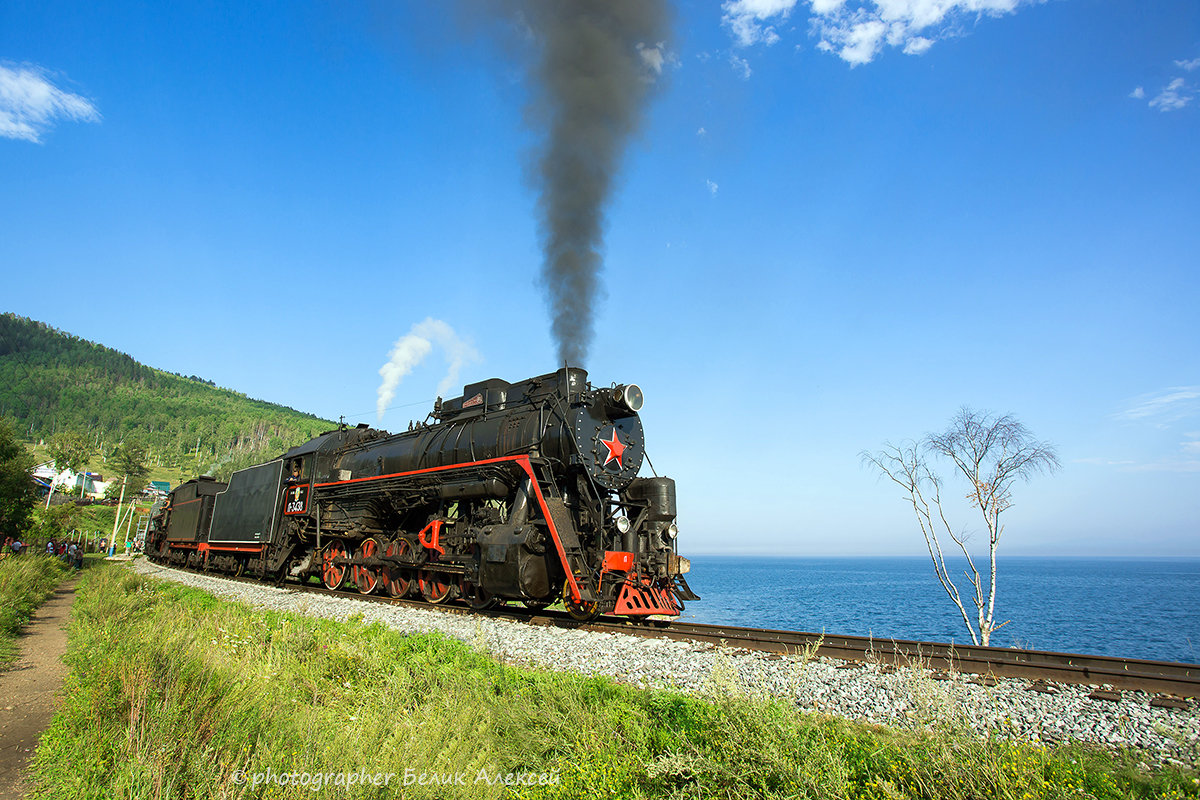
[{"x": 27, "y": 689}]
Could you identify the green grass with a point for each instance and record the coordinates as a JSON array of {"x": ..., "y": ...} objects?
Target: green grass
[
  {"x": 25, "y": 582},
  {"x": 173, "y": 694},
  {"x": 92, "y": 519}
]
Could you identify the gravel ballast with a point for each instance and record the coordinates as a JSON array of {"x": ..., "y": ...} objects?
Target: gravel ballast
[{"x": 902, "y": 697}]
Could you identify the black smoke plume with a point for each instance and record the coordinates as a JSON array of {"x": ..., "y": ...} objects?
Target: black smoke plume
[{"x": 596, "y": 64}]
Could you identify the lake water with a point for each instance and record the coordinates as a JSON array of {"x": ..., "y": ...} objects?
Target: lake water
[{"x": 1133, "y": 608}]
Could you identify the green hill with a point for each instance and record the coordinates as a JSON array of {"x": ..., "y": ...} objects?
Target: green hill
[{"x": 52, "y": 382}]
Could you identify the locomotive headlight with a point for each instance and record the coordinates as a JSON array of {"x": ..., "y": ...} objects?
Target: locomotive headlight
[
  {"x": 671, "y": 531},
  {"x": 623, "y": 524},
  {"x": 630, "y": 396}
]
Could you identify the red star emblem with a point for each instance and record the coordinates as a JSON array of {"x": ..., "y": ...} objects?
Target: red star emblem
[{"x": 615, "y": 449}]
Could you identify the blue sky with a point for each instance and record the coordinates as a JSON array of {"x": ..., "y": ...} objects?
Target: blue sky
[{"x": 838, "y": 223}]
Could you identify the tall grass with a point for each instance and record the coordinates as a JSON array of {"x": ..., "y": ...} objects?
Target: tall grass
[
  {"x": 25, "y": 582},
  {"x": 174, "y": 694}
]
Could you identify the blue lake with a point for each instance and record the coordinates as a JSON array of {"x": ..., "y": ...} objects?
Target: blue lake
[{"x": 1134, "y": 608}]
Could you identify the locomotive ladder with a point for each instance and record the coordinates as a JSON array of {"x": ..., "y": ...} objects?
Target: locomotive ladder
[{"x": 561, "y": 518}]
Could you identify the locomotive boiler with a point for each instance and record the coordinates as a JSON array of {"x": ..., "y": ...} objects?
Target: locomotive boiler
[{"x": 522, "y": 492}]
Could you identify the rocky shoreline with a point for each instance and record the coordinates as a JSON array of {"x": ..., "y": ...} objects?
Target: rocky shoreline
[{"x": 873, "y": 693}]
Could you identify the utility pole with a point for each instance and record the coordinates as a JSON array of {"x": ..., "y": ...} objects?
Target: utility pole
[
  {"x": 50, "y": 493},
  {"x": 117, "y": 521},
  {"x": 128, "y": 525}
]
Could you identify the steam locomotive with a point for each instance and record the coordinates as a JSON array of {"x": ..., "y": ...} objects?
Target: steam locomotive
[{"x": 524, "y": 492}]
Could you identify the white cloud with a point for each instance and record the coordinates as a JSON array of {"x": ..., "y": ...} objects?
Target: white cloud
[
  {"x": 652, "y": 57},
  {"x": 862, "y": 41},
  {"x": 712, "y": 188},
  {"x": 657, "y": 57},
  {"x": 745, "y": 19},
  {"x": 1162, "y": 410},
  {"x": 917, "y": 45},
  {"x": 858, "y": 30},
  {"x": 1174, "y": 96},
  {"x": 412, "y": 348},
  {"x": 1165, "y": 406},
  {"x": 741, "y": 66},
  {"x": 30, "y": 104},
  {"x": 702, "y": 132}
]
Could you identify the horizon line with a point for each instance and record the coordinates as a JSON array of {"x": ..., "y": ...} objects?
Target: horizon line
[{"x": 785, "y": 554}]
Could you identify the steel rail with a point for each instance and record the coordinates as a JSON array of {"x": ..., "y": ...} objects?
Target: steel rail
[
  {"x": 1036, "y": 665},
  {"x": 1165, "y": 678}
]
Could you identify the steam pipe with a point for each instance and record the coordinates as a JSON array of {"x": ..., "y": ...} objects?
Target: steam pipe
[{"x": 519, "y": 513}]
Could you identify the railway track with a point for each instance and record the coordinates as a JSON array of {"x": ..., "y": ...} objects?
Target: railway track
[
  {"x": 1174, "y": 685},
  {"x": 1040, "y": 667}
]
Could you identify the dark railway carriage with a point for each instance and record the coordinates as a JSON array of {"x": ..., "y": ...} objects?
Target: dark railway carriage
[
  {"x": 514, "y": 492},
  {"x": 179, "y": 529}
]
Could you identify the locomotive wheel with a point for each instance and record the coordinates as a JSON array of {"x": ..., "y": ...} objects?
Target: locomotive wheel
[
  {"x": 434, "y": 587},
  {"x": 477, "y": 597},
  {"x": 482, "y": 602},
  {"x": 397, "y": 579},
  {"x": 581, "y": 611},
  {"x": 334, "y": 575},
  {"x": 366, "y": 578}
]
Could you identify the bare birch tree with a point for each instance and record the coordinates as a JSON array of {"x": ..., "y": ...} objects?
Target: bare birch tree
[{"x": 992, "y": 453}]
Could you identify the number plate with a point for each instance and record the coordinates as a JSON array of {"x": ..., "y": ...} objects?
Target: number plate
[{"x": 295, "y": 500}]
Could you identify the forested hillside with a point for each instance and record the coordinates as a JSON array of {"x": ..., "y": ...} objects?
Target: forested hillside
[{"x": 53, "y": 383}]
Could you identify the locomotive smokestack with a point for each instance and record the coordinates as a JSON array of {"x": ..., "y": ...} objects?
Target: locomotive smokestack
[{"x": 598, "y": 61}]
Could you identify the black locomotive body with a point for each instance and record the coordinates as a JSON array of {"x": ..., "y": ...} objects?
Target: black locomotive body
[{"x": 514, "y": 492}]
